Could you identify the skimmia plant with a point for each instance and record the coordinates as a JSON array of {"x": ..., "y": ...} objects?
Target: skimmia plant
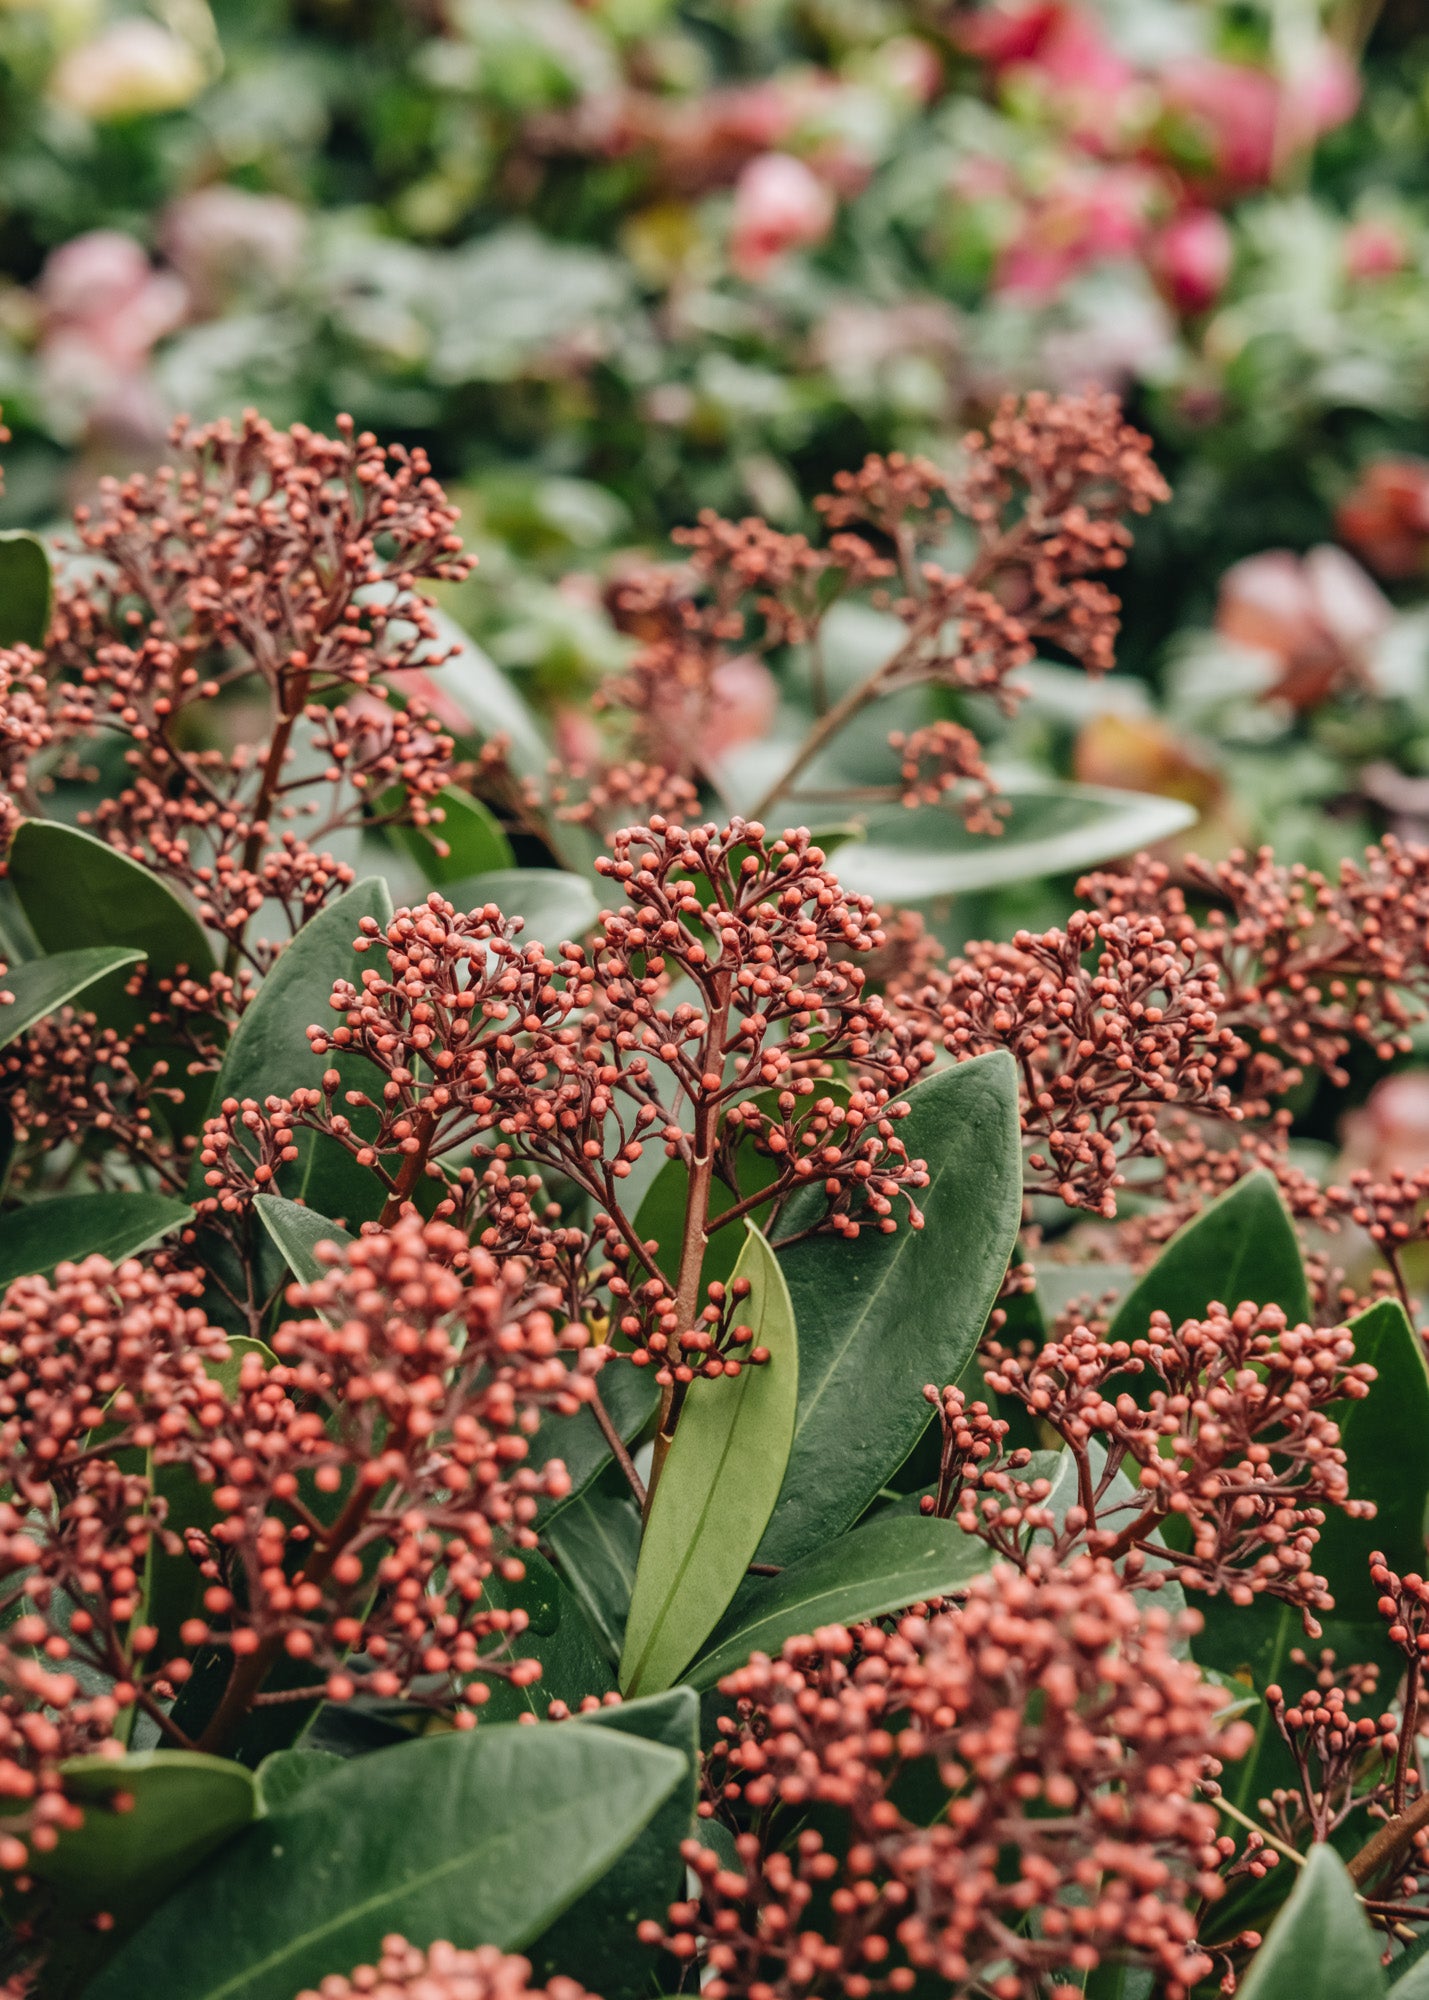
[{"x": 627, "y": 1426}]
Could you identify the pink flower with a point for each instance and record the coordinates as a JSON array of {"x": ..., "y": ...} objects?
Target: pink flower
[
  {"x": 1241, "y": 119},
  {"x": 1390, "y": 1131},
  {"x": 1318, "y": 616},
  {"x": 1063, "y": 48},
  {"x": 1191, "y": 259},
  {"x": 1374, "y": 249},
  {"x": 1386, "y": 517},
  {"x": 102, "y": 288},
  {"x": 1085, "y": 220},
  {"x": 221, "y": 238},
  {"x": 743, "y": 698},
  {"x": 779, "y": 205}
]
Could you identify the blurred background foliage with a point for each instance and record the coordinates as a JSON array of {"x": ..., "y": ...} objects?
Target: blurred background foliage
[{"x": 613, "y": 261}]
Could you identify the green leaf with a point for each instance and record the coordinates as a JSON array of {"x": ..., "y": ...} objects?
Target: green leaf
[
  {"x": 1383, "y": 1436},
  {"x": 470, "y": 832},
  {"x": 287, "y": 1772},
  {"x": 269, "y": 1054},
  {"x": 881, "y": 1316},
  {"x": 488, "y": 697},
  {"x": 596, "y": 1541},
  {"x": 478, "y": 1838},
  {"x": 1053, "y": 829},
  {"x": 77, "y": 890},
  {"x": 297, "y": 1232},
  {"x": 554, "y": 907},
  {"x": 43, "y": 985},
  {"x": 184, "y": 1806},
  {"x": 719, "y": 1484},
  {"x": 24, "y": 589},
  {"x": 69, "y": 1227},
  {"x": 595, "y": 1939},
  {"x": 889, "y": 1563},
  {"x": 1243, "y": 1246},
  {"x": 1320, "y": 1947},
  {"x": 573, "y": 1663},
  {"x": 630, "y": 1396}
]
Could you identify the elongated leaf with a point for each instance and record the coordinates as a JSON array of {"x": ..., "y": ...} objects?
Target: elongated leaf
[
  {"x": 880, "y": 1317},
  {"x": 77, "y": 890},
  {"x": 72, "y": 1226},
  {"x": 183, "y": 1806},
  {"x": 718, "y": 1487},
  {"x": 573, "y": 1663},
  {"x": 297, "y": 1232},
  {"x": 470, "y": 832},
  {"x": 42, "y": 985},
  {"x": 24, "y": 589},
  {"x": 269, "y": 1054},
  {"x": 891, "y": 1562},
  {"x": 481, "y": 1838},
  {"x": 287, "y": 1772},
  {"x": 553, "y": 906},
  {"x": 1053, "y": 829},
  {"x": 1320, "y": 1947},
  {"x": 488, "y": 698},
  {"x": 595, "y": 1939},
  {"x": 1384, "y": 1439},
  {"x": 1243, "y": 1246},
  {"x": 596, "y": 1541}
]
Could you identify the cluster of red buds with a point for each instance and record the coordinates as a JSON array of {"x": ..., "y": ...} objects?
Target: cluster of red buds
[
  {"x": 1001, "y": 1798},
  {"x": 278, "y": 561},
  {"x": 1139, "y": 1017},
  {"x": 359, "y": 1492},
  {"x": 579, "y": 1059},
  {"x": 1043, "y": 491},
  {"x": 404, "y": 1972},
  {"x": 1221, "y": 1422}
]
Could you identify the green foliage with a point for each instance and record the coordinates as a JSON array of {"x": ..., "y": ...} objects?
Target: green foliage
[
  {"x": 1319, "y": 1947},
  {"x": 41, "y": 986},
  {"x": 24, "y": 589},
  {"x": 478, "y": 1838},
  {"x": 71, "y": 1227},
  {"x": 881, "y": 1316},
  {"x": 1241, "y": 1246},
  {"x": 719, "y": 1485}
]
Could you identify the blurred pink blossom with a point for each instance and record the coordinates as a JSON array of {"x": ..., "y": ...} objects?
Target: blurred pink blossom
[
  {"x": 1191, "y": 258},
  {"x": 779, "y": 205},
  {"x": 743, "y": 698},
  {"x": 1374, "y": 249},
  {"x": 102, "y": 308},
  {"x": 1391, "y": 1128},
  {"x": 220, "y": 238},
  {"x": 1091, "y": 216},
  {"x": 1318, "y": 616},
  {"x": 1243, "y": 118}
]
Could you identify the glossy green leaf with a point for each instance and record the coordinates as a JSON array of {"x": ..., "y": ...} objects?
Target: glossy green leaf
[
  {"x": 72, "y": 1226},
  {"x": 481, "y": 1838},
  {"x": 880, "y": 1317},
  {"x": 184, "y": 1806},
  {"x": 889, "y": 1563},
  {"x": 596, "y": 1541},
  {"x": 1384, "y": 1436},
  {"x": 469, "y": 831},
  {"x": 554, "y": 907},
  {"x": 269, "y": 1054},
  {"x": 573, "y": 1662},
  {"x": 919, "y": 855},
  {"x": 1320, "y": 1947},
  {"x": 1242, "y": 1246},
  {"x": 717, "y": 1490},
  {"x": 287, "y": 1772},
  {"x": 297, "y": 1231},
  {"x": 42, "y": 985},
  {"x": 488, "y": 698},
  {"x": 595, "y": 1940},
  {"x": 630, "y": 1396},
  {"x": 106, "y": 899},
  {"x": 25, "y": 584}
]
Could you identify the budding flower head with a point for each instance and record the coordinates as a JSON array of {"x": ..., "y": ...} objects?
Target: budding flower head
[{"x": 404, "y": 1972}]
